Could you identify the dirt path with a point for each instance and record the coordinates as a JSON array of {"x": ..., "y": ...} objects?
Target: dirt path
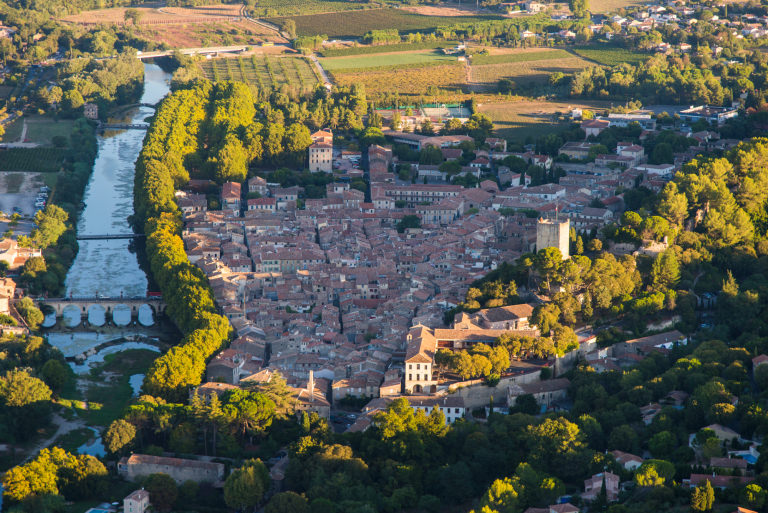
[
  {"x": 63, "y": 427},
  {"x": 23, "y": 131}
]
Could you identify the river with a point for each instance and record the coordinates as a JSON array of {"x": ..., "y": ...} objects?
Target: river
[{"x": 110, "y": 267}]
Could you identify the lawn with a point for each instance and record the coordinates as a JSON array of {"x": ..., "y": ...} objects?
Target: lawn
[
  {"x": 610, "y": 55},
  {"x": 357, "y": 23},
  {"x": 521, "y": 56},
  {"x": 388, "y": 59},
  {"x": 43, "y": 130},
  {"x": 523, "y": 73},
  {"x": 13, "y": 131},
  {"x": 265, "y": 71},
  {"x": 407, "y": 81},
  {"x": 520, "y": 119},
  {"x": 44, "y": 160}
]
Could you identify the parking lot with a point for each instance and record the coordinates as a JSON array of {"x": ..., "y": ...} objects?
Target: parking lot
[{"x": 18, "y": 192}]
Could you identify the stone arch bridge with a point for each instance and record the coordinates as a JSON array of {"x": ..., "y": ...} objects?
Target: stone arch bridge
[{"x": 84, "y": 304}]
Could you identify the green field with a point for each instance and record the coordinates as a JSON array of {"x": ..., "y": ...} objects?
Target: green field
[
  {"x": 357, "y": 23},
  {"x": 371, "y": 49},
  {"x": 392, "y": 59},
  {"x": 543, "y": 55},
  {"x": 264, "y": 71},
  {"x": 13, "y": 131},
  {"x": 610, "y": 55},
  {"x": 44, "y": 160}
]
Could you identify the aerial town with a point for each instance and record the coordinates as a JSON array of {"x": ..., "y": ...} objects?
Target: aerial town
[{"x": 327, "y": 256}]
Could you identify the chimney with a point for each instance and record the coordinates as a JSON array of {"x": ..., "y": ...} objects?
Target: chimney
[{"x": 311, "y": 386}]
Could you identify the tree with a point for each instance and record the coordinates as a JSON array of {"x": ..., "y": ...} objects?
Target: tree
[
  {"x": 119, "y": 436},
  {"x": 290, "y": 27},
  {"x": 578, "y": 7},
  {"x": 703, "y": 497},
  {"x": 654, "y": 473},
  {"x": 245, "y": 487},
  {"x": 408, "y": 221},
  {"x": 662, "y": 444},
  {"x": 665, "y": 272},
  {"x": 55, "y": 374},
  {"x": 51, "y": 224},
  {"x": 162, "y": 491},
  {"x": 132, "y": 14},
  {"x": 31, "y": 314},
  {"x": 287, "y": 502},
  {"x": 753, "y": 495},
  {"x": 18, "y": 388}
]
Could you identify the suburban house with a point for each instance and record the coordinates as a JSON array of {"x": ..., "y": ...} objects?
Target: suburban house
[
  {"x": 566, "y": 507},
  {"x": 646, "y": 345},
  {"x": 594, "y": 485},
  {"x": 14, "y": 256},
  {"x": 136, "y": 502},
  {"x": 593, "y": 127},
  {"x": 230, "y": 196},
  {"x": 721, "y": 482},
  {"x": 576, "y": 149},
  {"x": 627, "y": 460},
  {"x": 759, "y": 360},
  {"x": 137, "y": 466}
]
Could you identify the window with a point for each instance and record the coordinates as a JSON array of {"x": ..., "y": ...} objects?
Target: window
[
  {"x": 410, "y": 377},
  {"x": 456, "y": 410},
  {"x": 418, "y": 366}
]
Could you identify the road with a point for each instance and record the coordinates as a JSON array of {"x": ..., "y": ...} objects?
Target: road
[{"x": 326, "y": 79}]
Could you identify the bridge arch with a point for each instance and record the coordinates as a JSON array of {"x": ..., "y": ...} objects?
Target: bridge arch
[
  {"x": 147, "y": 315},
  {"x": 122, "y": 314},
  {"x": 71, "y": 315},
  {"x": 97, "y": 314}
]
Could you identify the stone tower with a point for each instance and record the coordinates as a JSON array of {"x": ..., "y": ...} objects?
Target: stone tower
[{"x": 553, "y": 233}]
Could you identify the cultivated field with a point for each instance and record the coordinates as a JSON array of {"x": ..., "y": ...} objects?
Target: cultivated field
[
  {"x": 524, "y": 71},
  {"x": 158, "y": 16},
  {"x": 387, "y": 59},
  {"x": 520, "y": 119},
  {"x": 270, "y": 8},
  {"x": 46, "y": 160},
  {"x": 357, "y": 23},
  {"x": 345, "y": 50},
  {"x": 222, "y": 33},
  {"x": 184, "y": 27},
  {"x": 449, "y": 10},
  {"x": 506, "y": 55},
  {"x": 611, "y": 55},
  {"x": 406, "y": 81},
  {"x": 265, "y": 71}
]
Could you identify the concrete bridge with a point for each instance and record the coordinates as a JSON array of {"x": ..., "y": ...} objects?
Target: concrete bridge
[
  {"x": 85, "y": 305},
  {"x": 209, "y": 50}
]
